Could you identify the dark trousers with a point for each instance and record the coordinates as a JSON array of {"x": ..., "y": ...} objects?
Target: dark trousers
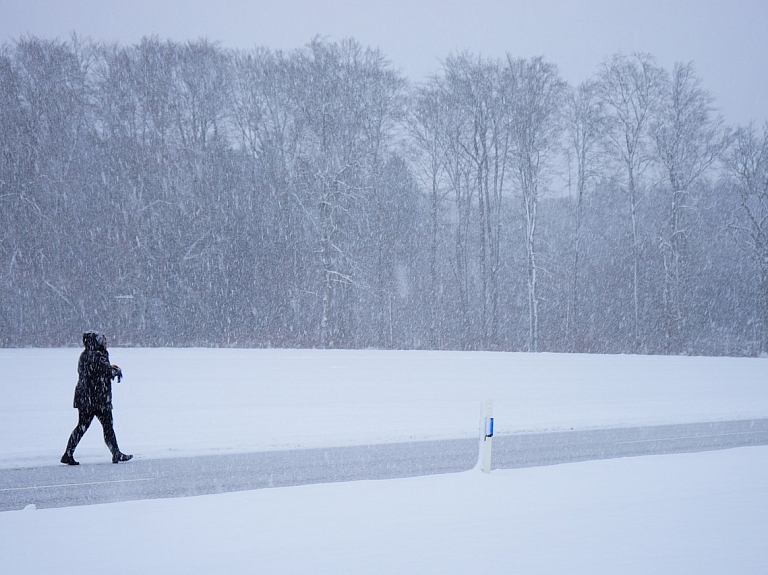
[{"x": 84, "y": 422}]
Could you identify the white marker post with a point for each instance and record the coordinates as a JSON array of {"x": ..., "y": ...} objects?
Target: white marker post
[{"x": 486, "y": 436}]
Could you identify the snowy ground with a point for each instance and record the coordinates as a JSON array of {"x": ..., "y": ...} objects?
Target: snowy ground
[
  {"x": 693, "y": 513},
  {"x": 696, "y": 514}
]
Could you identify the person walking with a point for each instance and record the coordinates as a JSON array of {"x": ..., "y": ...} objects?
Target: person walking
[{"x": 93, "y": 396}]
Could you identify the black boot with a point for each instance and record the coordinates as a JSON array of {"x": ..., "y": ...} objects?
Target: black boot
[
  {"x": 68, "y": 459},
  {"x": 118, "y": 457}
]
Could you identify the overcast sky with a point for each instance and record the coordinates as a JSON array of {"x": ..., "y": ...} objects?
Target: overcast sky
[{"x": 727, "y": 40}]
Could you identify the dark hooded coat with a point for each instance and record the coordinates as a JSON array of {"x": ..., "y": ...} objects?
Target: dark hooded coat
[{"x": 94, "y": 386}]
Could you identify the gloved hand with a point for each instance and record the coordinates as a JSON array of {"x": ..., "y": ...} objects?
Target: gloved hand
[{"x": 117, "y": 372}]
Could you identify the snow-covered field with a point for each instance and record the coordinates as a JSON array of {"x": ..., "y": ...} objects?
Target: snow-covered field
[
  {"x": 692, "y": 513},
  {"x": 176, "y": 402}
]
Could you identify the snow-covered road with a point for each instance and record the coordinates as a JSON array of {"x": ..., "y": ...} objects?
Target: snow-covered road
[{"x": 62, "y": 486}]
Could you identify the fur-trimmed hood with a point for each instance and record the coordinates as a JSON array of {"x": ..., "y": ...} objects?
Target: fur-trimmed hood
[{"x": 94, "y": 340}]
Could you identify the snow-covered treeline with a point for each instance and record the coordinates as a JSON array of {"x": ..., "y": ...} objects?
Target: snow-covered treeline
[{"x": 185, "y": 194}]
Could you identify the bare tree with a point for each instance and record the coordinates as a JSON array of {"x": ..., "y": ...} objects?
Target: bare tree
[
  {"x": 346, "y": 102},
  {"x": 453, "y": 142},
  {"x": 477, "y": 87},
  {"x": 747, "y": 161},
  {"x": 585, "y": 121},
  {"x": 49, "y": 99},
  {"x": 689, "y": 139},
  {"x": 203, "y": 92},
  {"x": 535, "y": 128},
  {"x": 265, "y": 121},
  {"x": 631, "y": 89},
  {"x": 426, "y": 130}
]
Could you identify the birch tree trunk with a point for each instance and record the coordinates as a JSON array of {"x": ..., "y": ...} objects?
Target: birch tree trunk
[{"x": 535, "y": 128}]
